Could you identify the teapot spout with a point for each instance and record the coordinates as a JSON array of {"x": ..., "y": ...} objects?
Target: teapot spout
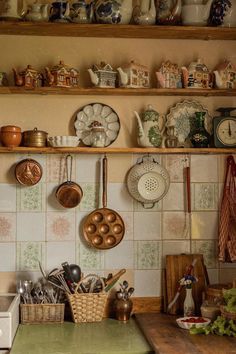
[
  {"x": 17, "y": 78},
  {"x": 207, "y": 9},
  {"x": 123, "y": 77},
  {"x": 218, "y": 79},
  {"x": 94, "y": 77},
  {"x": 176, "y": 11},
  {"x": 140, "y": 126}
]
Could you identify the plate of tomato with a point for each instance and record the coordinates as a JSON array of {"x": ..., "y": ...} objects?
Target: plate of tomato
[{"x": 188, "y": 322}]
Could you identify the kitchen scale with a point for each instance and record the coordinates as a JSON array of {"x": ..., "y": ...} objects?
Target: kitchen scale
[{"x": 9, "y": 319}]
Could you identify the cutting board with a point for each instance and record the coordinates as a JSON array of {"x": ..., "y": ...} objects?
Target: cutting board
[{"x": 176, "y": 267}]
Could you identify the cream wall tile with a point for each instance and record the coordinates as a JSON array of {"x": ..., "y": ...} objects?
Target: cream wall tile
[
  {"x": 206, "y": 196},
  {"x": 8, "y": 257},
  {"x": 7, "y": 227},
  {"x": 59, "y": 252},
  {"x": 147, "y": 283},
  {"x": 118, "y": 167},
  {"x": 175, "y": 165},
  {"x": 118, "y": 197},
  {"x": 7, "y": 197},
  {"x": 30, "y": 227},
  {"x": 60, "y": 226},
  {"x": 145, "y": 208},
  {"x": 174, "y": 199},
  {"x": 128, "y": 218},
  {"x": 204, "y": 168},
  {"x": 176, "y": 225},
  {"x": 222, "y": 163},
  {"x": 7, "y": 170},
  {"x": 208, "y": 249},
  {"x": 205, "y": 225},
  {"x": 175, "y": 247},
  {"x": 88, "y": 169},
  {"x": 121, "y": 256},
  {"x": 147, "y": 226},
  {"x": 213, "y": 275}
]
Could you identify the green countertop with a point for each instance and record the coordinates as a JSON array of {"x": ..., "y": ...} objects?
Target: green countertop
[{"x": 106, "y": 337}]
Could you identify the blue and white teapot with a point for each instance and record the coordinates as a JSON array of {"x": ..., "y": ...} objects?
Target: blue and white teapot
[{"x": 113, "y": 12}]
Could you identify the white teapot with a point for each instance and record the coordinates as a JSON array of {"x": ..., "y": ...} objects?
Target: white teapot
[
  {"x": 38, "y": 13},
  {"x": 150, "y": 129}
]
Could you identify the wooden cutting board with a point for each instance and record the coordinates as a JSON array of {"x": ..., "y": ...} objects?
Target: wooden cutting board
[{"x": 176, "y": 267}]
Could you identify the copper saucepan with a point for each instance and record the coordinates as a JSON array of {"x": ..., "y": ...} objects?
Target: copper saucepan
[
  {"x": 69, "y": 194},
  {"x": 104, "y": 228},
  {"x": 28, "y": 172}
]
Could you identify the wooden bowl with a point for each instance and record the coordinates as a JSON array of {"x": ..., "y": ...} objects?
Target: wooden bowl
[{"x": 11, "y": 136}]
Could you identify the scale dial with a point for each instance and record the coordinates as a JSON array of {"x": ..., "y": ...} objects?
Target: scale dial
[{"x": 225, "y": 132}]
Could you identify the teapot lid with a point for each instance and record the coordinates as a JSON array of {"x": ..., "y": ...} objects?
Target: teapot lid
[
  {"x": 102, "y": 66},
  {"x": 29, "y": 68}
]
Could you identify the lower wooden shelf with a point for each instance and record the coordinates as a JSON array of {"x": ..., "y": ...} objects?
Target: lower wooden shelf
[{"x": 111, "y": 150}]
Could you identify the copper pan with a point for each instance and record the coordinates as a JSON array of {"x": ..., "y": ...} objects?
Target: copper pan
[
  {"x": 28, "y": 172},
  {"x": 104, "y": 228},
  {"x": 69, "y": 194}
]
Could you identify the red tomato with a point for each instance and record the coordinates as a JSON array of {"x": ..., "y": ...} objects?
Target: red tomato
[{"x": 194, "y": 320}]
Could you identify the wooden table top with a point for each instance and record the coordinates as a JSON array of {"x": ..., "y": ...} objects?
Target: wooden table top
[{"x": 166, "y": 337}]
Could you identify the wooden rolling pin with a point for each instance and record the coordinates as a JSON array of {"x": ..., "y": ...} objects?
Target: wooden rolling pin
[{"x": 112, "y": 281}]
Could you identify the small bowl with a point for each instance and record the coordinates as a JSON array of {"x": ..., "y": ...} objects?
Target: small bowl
[
  {"x": 188, "y": 325},
  {"x": 63, "y": 141},
  {"x": 10, "y": 136}
]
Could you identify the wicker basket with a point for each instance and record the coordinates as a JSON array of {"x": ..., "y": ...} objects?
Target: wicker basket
[
  {"x": 87, "y": 307},
  {"x": 228, "y": 315},
  {"x": 42, "y": 313}
]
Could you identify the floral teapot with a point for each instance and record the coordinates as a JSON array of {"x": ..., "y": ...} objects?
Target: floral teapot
[
  {"x": 168, "y": 12},
  {"x": 145, "y": 12},
  {"x": 150, "y": 131},
  {"x": 38, "y": 12},
  {"x": 113, "y": 11},
  {"x": 196, "y": 12}
]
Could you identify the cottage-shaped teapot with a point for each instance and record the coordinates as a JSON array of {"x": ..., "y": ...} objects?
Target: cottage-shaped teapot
[
  {"x": 134, "y": 75},
  {"x": 150, "y": 128},
  {"x": 103, "y": 75},
  {"x": 225, "y": 75},
  {"x": 62, "y": 75},
  {"x": 29, "y": 77},
  {"x": 196, "y": 75}
]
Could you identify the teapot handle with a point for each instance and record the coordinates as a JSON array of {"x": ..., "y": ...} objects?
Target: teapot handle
[{"x": 162, "y": 125}]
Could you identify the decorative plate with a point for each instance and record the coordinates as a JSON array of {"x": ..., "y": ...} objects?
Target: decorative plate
[
  {"x": 97, "y": 112},
  {"x": 181, "y": 117}
]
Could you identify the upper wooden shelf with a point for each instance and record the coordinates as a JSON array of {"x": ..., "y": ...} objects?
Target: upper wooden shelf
[
  {"x": 113, "y": 150},
  {"x": 116, "y": 91},
  {"x": 116, "y": 31}
]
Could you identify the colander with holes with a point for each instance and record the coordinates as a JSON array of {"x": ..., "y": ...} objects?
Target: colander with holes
[{"x": 148, "y": 181}]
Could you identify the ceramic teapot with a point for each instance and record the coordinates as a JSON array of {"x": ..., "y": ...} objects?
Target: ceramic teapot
[
  {"x": 103, "y": 75},
  {"x": 60, "y": 11},
  {"x": 223, "y": 13},
  {"x": 38, "y": 13},
  {"x": 81, "y": 12},
  {"x": 134, "y": 75},
  {"x": 145, "y": 12},
  {"x": 119, "y": 11},
  {"x": 195, "y": 12},
  {"x": 196, "y": 75},
  {"x": 225, "y": 75},
  {"x": 150, "y": 129},
  {"x": 168, "y": 12},
  {"x": 61, "y": 75},
  {"x": 29, "y": 77},
  {"x": 12, "y": 9}
]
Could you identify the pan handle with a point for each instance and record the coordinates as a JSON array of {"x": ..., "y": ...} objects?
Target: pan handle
[
  {"x": 104, "y": 182},
  {"x": 69, "y": 167}
]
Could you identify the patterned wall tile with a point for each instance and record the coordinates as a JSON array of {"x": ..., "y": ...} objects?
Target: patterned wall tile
[
  {"x": 147, "y": 226},
  {"x": 29, "y": 254},
  {"x": 208, "y": 249},
  {"x": 60, "y": 226},
  {"x": 175, "y": 165},
  {"x": 7, "y": 227},
  {"x": 56, "y": 169},
  {"x": 206, "y": 196},
  {"x": 31, "y": 198},
  {"x": 90, "y": 200},
  {"x": 176, "y": 225},
  {"x": 7, "y": 257},
  {"x": 147, "y": 254},
  {"x": 89, "y": 258}
]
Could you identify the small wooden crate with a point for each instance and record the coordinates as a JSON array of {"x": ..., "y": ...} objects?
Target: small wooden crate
[
  {"x": 87, "y": 307},
  {"x": 42, "y": 313}
]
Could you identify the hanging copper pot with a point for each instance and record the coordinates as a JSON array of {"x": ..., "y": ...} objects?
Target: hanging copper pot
[
  {"x": 69, "y": 194},
  {"x": 28, "y": 172}
]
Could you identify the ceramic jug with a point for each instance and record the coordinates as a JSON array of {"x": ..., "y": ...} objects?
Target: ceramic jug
[
  {"x": 150, "y": 129},
  {"x": 168, "y": 12},
  {"x": 195, "y": 12},
  {"x": 60, "y": 11},
  {"x": 223, "y": 13},
  {"x": 81, "y": 12},
  {"x": 119, "y": 11},
  {"x": 145, "y": 12},
  {"x": 12, "y": 9},
  {"x": 38, "y": 13}
]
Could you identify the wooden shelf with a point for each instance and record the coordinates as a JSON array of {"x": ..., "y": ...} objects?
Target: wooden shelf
[
  {"x": 116, "y": 31},
  {"x": 115, "y": 91},
  {"x": 110, "y": 150}
]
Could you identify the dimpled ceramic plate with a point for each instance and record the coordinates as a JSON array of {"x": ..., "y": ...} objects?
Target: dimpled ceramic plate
[
  {"x": 181, "y": 117},
  {"x": 100, "y": 113}
]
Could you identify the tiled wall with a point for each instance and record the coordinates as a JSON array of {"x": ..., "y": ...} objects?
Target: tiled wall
[{"x": 33, "y": 226}]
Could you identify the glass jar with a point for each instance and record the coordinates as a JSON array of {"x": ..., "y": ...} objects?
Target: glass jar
[
  {"x": 171, "y": 140},
  {"x": 98, "y": 136}
]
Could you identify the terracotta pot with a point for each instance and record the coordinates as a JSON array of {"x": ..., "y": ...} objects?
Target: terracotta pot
[{"x": 11, "y": 136}]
